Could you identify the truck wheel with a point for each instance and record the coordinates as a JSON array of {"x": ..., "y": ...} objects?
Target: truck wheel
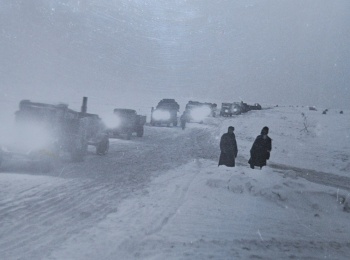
[
  {"x": 139, "y": 132},
  {"x": 103, "y": 147}
]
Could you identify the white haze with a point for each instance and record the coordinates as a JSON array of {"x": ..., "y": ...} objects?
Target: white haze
[{"x": 133, "y": 53}]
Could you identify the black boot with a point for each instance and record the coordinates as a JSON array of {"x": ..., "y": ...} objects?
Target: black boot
[{"x": 252, "y": 166}]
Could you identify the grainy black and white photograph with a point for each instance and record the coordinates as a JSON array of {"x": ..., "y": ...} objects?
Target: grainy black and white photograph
[{"x": 182, "y": 129}]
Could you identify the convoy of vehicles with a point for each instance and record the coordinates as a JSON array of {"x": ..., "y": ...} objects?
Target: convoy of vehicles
[
  {"x": 43, "y": 132},
  {"x": 127, "y": 122},
  {"x": 165, "y": 113}
]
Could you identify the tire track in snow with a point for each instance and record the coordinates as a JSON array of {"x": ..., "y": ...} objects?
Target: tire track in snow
[
  {"x": 324, "y": 178},
  {"x": 180, "y": 200},
  {"x": 36, "y": 219},
  {"x": 39, "y": 223},
  {"x": 328, "y": 179}
]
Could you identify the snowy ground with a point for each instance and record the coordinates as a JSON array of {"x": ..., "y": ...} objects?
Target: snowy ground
[{"x": 163, "y": 197}]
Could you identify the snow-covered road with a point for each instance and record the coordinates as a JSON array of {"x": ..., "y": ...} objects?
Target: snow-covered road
[
  {"x": 38, "y": 213},
  {"x": 163, "y": 196}
]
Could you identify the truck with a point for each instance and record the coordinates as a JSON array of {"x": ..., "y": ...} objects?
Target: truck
[
  {"x": 256, "y": 106},
  {"x": 244, "y": 107},
  {"x": 226, "y": 109},
  {"x": 165, "y": 113},
  {"x": 43, "y": 132},
  {"x": 197, "y": 111},
  {"x": 126, "y": 122},
  {"x": 235, "y": 108}
]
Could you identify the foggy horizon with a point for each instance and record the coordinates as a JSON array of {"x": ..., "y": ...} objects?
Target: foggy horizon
[{"x": 137, "y": 52}]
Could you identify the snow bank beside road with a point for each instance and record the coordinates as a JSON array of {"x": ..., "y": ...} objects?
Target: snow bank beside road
[{"x": 200, "y": 210}]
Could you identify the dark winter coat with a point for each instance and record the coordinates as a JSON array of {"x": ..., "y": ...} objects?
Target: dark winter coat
[
  {"x": 260, "y": 151},
  {"x": 228, "y": 147}
]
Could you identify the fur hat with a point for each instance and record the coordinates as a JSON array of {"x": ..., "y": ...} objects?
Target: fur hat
[{"x": 265, "y": 130}]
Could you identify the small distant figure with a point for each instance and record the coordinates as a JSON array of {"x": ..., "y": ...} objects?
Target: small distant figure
[
  {"x": 183, "y": 120},
  {"x": 228, "y": 147},
  {"x": 260, "y": 151},
  {"x": 341, "y": 112},
  {"x": 312, "y": 108}
]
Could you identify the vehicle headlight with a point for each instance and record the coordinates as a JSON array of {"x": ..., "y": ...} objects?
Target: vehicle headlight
[
  {"x": 161, "y": 115},
  {"x": 200, "y": 113},
  {"x": 226, "y": 110},
  {"x": 32, "y": 137},
  {"x": 112, "y": 121},
  {"x": 235, "y": 109}
]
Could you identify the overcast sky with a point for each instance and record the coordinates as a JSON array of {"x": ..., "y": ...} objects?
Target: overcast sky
[{"x": 266, "y": 51}]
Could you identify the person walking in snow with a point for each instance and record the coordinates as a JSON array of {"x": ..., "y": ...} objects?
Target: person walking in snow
[
  {"x": 260, "y": 151},
  {"x": 228, "y": 147},
  {"x": 183, "y": 119}
]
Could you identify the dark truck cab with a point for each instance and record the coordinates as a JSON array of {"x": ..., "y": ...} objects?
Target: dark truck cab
[
  {"x": 127, "y": 121},
  {"x": 226, "y": 109},
  {"x": 235, "y": 108},
  {"x": 165, "y": 113}
]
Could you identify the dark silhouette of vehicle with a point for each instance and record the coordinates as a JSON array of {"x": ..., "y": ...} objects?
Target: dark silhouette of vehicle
[
  {"x": 42, "y": 132},
  {"x": 198, "y": 111},
  {"x": 313, "y": 108},
  {"x": 226, "y": 109},
  {"x": 97, "y": 134},
  {"x": 235, "y": 108},
  {"x": 127, "y": 122},
  {"x": 238, "y": 108},
  {"x": 230, "y": 109},
  {"x": 165, "y": 113},
  {"x": 256, "y": 106},
  {"x": 245, "y": 107}
]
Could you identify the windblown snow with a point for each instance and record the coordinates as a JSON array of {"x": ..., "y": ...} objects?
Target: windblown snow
[{"x": 163, "y": 196}]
